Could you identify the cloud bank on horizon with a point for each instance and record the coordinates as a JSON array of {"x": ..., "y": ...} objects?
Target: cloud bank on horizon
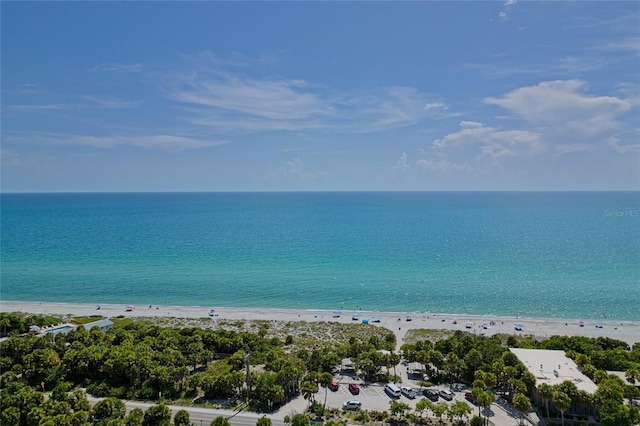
[{"x": 320, "y": 96}]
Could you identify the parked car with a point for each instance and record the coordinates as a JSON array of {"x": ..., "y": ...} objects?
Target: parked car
[
  {"x": 334, "y": 386},
  {"x": 432, "y": 394},
  {"x": 446, "y": 394},
  {"x": 408, "y": 392},
  {"x": 469, "y": 397},
  {"x": 354, "y": 389},
  {"x": 352, "y": 405}
]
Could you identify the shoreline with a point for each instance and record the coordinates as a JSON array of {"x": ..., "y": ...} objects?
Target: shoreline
[{"x": 627, "y": 331}]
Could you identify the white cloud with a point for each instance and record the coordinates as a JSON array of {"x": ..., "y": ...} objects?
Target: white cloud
[
  {"x": 44, "y": 107},
  {"x": 444, "y": 166},
  {"x": 630, "y": 44},
  {"x": 402, "y": 166},
  {"x": 107, "y": 102},
  {"x": 510, "y": 2},
  {"x": 244, "y": 103},
  {"x": 111, "y": 102},
  {"x": 295, "y": 170},
  {"x": 161, "y": 142},
  {"x": 10, "y": 158},
  {"x": 490, "y": 142},
  {"x": 571, "y": 148},
  {"x": 112, "y": 67},
  {"x": 562, "y": 103},
  {"x": 503, "y": 16},
  {"x": 614, "y": 143}
]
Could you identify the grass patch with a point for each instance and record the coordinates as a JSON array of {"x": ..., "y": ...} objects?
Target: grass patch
[{"x": 433, "y": 335}]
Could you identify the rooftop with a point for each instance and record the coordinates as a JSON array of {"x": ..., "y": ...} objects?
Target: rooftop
[{"x": 553, "y": 367}]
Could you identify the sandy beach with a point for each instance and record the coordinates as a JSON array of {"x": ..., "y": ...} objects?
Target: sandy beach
[{"x": 541, "y": 328}]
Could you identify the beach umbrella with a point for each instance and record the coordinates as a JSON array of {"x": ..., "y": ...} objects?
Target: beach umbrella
[
  {"x": 337, "y": 313},
  {"x": 519, "y": 326}
]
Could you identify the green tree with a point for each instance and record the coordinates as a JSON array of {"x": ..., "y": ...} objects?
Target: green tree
[
  {"x": 263, "y": 421},
  {"x": 309, "y": 388},
  {"x": 135, "y": 417},
  {"x": 522, "y": 404},
  {"x": 423, "y": 404},
  {"x": 460, "y": 409},
  {"x": 546, "y": 393},
  {"x": 398, "y": 408},
  {"x": 439, "y": 410},
  {"x": 485, "y": 399},
  {"x": 157, "y": 415},
  {"x": 182, "y": 418},
  {"x": 476, "y": 421},
  {"x": 300, "y": 420},
  {"x": 562, "y": 402},
  {"x": 324, "y": 380},
  {"x": 220, "y": 421},
  {"x": 473, "y": 358},
  {"x": 107, "y": 409}
]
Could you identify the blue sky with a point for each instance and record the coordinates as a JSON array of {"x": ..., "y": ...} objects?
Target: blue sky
[{"x": 250, "y": 96}]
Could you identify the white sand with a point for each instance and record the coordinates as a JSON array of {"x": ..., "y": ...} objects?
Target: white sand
[{"x": 626, "y": 331}]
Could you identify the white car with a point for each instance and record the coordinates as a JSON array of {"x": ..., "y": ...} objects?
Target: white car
[
  {"x": 446, "y": 394},
  {"x": 352, "y": 405}
]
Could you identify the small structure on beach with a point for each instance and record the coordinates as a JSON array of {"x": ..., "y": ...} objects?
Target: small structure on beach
[
  {"x": 347, "y": 364},
  {"x": 416, "y": 369},
  {"x": 103, "y": 325}
]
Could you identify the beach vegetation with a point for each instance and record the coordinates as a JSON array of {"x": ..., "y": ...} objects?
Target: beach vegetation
[{"x": 223, "y": 367}]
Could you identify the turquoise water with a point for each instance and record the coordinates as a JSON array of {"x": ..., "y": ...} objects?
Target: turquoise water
[{"x": 542, "y": 254}]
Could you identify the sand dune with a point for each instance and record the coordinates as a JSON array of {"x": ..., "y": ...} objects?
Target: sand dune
[{"x": 396, "y": 321}]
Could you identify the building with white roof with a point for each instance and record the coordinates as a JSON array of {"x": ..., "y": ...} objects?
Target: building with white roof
[{"x": 553, "y": 367}]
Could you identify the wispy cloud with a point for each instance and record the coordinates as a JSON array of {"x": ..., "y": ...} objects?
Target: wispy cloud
[
  {"x": 631, "y": 44},
  {"x": 161, "y": 142},
  {"x": 111, "y": 102},
  {"x": 114, "y": 67},
  {"x": 294, "y": 170},
  {"x": 44, "y": 107},
  {"x": 242, "y": 103},
  {"x": 569, "y": 65},
  {"x": 107, "y": 102}
]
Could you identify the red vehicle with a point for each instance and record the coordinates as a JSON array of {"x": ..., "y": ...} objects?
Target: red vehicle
[
  {"x": 354, "y": 389},
  {"x": 334, "y": 386},
  {"x": 469, "y": 397}
]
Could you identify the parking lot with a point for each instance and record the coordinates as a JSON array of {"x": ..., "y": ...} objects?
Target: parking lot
[{"x": 373, "y": 397}]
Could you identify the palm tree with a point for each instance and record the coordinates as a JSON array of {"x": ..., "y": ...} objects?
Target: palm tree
[
  {"x": 522, "y": 404},
  {"x": 309, "y": 388},
  {"x": 324, "y": 380},
  {"x": 394, "y": 360},
  {"x": 546, "y": 393},
  {"x": 562, "y": 402},
  {"x": 485, "y": 399}
]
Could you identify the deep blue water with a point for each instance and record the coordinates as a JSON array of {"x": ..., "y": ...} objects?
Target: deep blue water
[{"x": 543, "y": 254}]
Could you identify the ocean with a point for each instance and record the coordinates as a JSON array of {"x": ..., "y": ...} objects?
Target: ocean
[{"x": 536, "y": 254}]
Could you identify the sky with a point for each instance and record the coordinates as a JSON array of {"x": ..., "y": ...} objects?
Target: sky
[{"x": 320, "y": 96}]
